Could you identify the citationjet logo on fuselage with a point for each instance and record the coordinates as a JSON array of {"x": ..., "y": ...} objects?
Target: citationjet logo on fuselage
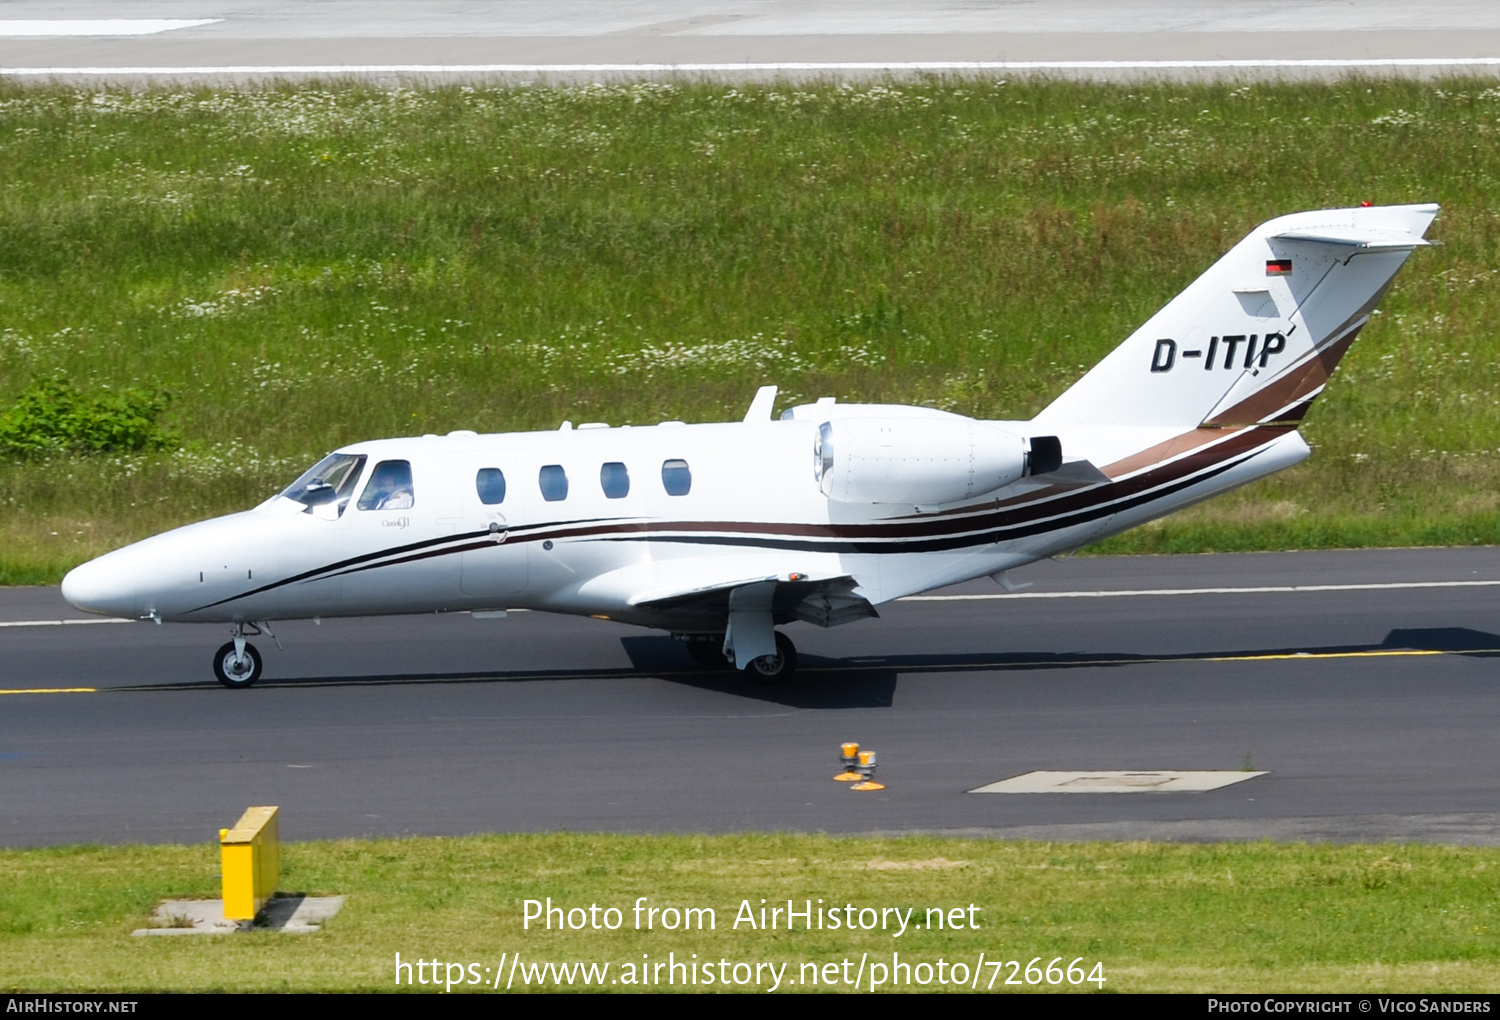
[{"x": 1233, "y": 351}]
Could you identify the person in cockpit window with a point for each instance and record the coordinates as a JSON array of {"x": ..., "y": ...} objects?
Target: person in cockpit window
[{"x": 389, "y": 488}]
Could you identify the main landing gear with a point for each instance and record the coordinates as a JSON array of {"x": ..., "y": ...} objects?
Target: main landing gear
[
  {"x": 707, "y": 650},
  {"x": 237, "y": 664},
  {"x": 771, "y": 670}
]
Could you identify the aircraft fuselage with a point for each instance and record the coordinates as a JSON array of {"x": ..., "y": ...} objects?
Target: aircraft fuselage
[{"x": 748, "y": 507}]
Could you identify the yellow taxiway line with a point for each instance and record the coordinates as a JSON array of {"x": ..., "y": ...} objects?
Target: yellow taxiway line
[
  {"x": 969, "y": 667},
  {"x": 1337, "y": 655}
]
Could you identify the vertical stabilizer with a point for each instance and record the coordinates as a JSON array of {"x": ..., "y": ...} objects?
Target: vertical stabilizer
[{"x": 1255, "y": 338}]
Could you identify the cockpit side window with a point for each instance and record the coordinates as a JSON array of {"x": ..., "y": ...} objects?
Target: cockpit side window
[
  {"x": 614, "y": 479},
  {"x": 676, "y": 478},
  {"x": 389, "y": 487},
  {"x": 329, "y": 481},
  {"x": 490, "y": 483},
  {"x": 554, "y": 482}
]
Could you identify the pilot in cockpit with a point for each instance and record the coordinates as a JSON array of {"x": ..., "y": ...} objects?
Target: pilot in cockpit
[{"x": 390, "y": 487}]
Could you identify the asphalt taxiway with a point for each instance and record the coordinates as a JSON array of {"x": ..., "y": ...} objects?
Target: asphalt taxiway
[{"x": 1363, "y": 683}]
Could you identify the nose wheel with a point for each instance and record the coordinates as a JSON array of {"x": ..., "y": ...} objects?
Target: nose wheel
[
  {"x": 771, "y": 670},
  {"x": 237, "y": 664}
]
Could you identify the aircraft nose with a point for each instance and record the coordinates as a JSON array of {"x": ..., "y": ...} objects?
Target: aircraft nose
[{"x": 101, "y": 587}]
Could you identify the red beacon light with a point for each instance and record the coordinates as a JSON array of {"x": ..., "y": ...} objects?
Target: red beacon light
[{"x": 1364, "y": 205}]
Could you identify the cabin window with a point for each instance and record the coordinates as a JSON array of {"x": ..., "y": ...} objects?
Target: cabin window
[
  {"x": 676, "y": 478},
  {"x": 389, "y": 487},
  {"x": 490, "y": 483},
  {"x": 329, "y": 481},
  {"x": 615, "y": 480},
  {"x": 554, "y": 482}
]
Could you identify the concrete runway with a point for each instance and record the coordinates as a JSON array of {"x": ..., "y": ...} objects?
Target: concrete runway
[
  {"x": 282, "y": 38},
  {"x": 1374, "y": 709}
]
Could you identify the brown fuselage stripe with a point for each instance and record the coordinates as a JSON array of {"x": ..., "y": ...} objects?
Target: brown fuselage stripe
[{"x": 1306, "y": 378}]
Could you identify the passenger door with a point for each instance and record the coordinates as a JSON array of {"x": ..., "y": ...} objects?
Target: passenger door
[{"x": 495, "y": 497}]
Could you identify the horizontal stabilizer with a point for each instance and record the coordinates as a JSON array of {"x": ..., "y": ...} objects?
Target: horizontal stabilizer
[{"x": 1369, "y": 240}]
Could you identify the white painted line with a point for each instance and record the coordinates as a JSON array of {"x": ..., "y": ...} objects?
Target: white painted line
[
  {"x": 21, "y": 29},
  {"x": 1128, "y": 593},
  {"x": 909, "y": 65},
  {"x": 1149, "y": 781},
  {"x": 56, "y": 623}
]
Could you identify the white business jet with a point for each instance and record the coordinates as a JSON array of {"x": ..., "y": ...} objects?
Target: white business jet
[{"x": 721, "y": 532}]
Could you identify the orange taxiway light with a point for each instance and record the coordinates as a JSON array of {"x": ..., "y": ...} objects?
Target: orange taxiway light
[
  {"x": 866, "y": 770},
  {"x": 848, "y": 757}
]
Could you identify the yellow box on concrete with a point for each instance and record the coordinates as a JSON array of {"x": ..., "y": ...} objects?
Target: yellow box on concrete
[{"x": 252, "y": 862}]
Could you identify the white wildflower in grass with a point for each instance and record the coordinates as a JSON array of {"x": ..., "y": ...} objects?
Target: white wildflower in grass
[
  {"x": 16, "y": 343},
  {"x": 224, "y": 303},
  {"x": 221, "y": 460}
]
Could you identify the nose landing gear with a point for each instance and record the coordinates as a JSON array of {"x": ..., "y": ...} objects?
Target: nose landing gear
[
  {"x": 237, "y": 667},
  {"x": 237, "y": 663}
]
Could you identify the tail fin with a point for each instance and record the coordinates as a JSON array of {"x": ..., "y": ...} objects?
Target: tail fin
[{"x": 1256, "y": 337}]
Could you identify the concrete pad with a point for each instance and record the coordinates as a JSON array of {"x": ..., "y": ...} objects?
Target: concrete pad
[
  {"x": 189, "y": 917},
  {"x": 298, "y": 914},
  {"x": 290, "y": 914},
  {"x": 1150, "y": 781}
]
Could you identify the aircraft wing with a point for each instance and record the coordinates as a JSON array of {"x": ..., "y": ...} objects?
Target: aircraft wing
[{"x": 828, "y": 602}]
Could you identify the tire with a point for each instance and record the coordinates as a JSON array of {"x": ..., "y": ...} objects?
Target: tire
[
  {"x": 237, "y": 675},
  {"x": 708, "y": 654},
  {"x": 773, "y": 670}
]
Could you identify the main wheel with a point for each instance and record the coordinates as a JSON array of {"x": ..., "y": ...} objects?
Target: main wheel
[
  {"x": 708, "y": 654},
  {"x": 236, "y": 671},
  {"x": 774, "y": 669}
]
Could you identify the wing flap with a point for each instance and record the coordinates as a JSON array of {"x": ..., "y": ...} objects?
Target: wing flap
[{"x": 825, "y": 602}]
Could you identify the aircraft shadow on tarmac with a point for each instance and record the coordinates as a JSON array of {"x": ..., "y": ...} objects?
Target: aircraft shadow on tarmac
[
  {"x": 1444, "y": 639},
  {"x": 870, "y": 681},
  {"x": 819, "y": 683}
]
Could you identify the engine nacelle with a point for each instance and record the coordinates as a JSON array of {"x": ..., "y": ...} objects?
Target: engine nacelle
[{"x": 922, "y": 461}]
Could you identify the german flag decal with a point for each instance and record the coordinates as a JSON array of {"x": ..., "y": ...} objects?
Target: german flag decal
[{"x": 1278, "y": 267}]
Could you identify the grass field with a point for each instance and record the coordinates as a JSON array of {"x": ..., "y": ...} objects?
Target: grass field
[
  {"x": 1162, "y": 917},
  {"x": 303, "y": 266}
]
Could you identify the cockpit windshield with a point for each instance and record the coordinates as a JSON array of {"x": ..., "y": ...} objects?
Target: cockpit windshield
[{"x": 328, "y": 483}]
